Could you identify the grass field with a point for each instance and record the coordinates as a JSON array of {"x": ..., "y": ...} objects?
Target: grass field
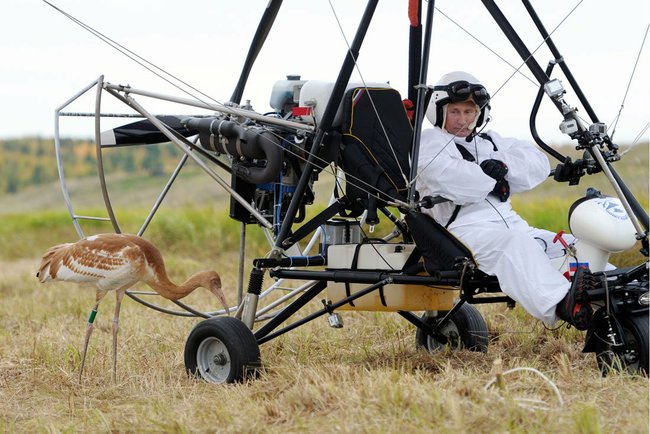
[{"x": 364, "y": 378}]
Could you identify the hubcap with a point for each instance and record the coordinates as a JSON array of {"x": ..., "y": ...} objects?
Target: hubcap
[
  {"x": 213, "y": 360},
  {"x": 453, "y": 338}
]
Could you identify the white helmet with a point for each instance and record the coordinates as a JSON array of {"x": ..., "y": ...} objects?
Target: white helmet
[{"x": 454, "y": 87}]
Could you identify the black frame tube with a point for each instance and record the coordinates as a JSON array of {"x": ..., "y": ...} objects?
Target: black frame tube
[
  {"x": 516, "y": 41},
  {"x": 263, "y": 28},
  {"x": 420, "y": 108},
  {"x": 636, "y": 206},
  {"x": 560, "y": 60},
  {"x": 433, "y": 330},
  {"x": 326, "y": 123},
  {"x": 451, "y": 278},
  {"x": 533, "y": 118},
  {"x": 262, "y": 332},
  {"x": 415, "y": 55}
]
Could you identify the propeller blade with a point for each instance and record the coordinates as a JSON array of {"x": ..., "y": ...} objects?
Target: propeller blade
[{"x": 143, "y": 132}]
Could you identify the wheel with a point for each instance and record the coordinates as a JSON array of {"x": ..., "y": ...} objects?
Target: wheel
[
  {"x": 631, "y": 357},
  {"x": 222, "y": 350},
  {"x": 465, "y": 329}
]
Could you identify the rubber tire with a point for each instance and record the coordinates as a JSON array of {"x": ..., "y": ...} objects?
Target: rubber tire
[
  {"x": 466, "y": 329},
  {"x": 227, "y": 338},
  {"x": 635, "y": 330}
]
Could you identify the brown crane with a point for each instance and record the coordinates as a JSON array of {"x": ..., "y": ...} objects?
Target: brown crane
[{"x": 116, "y": 262}]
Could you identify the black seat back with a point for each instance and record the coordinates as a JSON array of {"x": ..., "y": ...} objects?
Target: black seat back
[{"x": 375, "y": 150}]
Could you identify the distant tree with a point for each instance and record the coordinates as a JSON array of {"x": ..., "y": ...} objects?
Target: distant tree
[
  {"x": 128, "y": 162},
  {"x": 153, "y": 162},
  {"x": 37, "y": 174},
  {"x": 13, "y": 182}
]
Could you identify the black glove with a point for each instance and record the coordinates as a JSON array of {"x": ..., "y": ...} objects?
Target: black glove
[{"x": 497, "y": 170}]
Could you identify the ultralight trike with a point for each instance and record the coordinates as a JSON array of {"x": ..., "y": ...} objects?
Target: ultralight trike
[{"x": 368, "y": 137}]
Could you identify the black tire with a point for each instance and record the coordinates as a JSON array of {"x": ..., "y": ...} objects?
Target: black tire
[
  {"x": 465, "y": 329},
  {"x": 633, "y": 356},
  {"x": 222, "y": 350}
]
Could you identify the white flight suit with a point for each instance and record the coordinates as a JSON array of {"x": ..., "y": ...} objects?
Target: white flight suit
[{"x": 503, "y": 243}]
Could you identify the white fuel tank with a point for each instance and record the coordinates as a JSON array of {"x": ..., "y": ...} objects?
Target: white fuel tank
[
  {"x": 285, "y": 93},
  {"x": 603, "y": 223}
]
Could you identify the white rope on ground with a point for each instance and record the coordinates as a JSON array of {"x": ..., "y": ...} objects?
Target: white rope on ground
[{"x": 529, "y": 403}]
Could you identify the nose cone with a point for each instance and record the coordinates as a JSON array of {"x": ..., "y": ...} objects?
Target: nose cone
[{"x": 603, "y": 223}]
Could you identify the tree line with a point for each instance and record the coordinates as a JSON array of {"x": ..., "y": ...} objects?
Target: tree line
[{"x": 31, "y": 161}]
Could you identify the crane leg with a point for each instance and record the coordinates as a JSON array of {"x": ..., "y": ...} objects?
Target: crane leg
[
  {"x": 116, "y": 325},
  {"x": 89, "y": 329}
]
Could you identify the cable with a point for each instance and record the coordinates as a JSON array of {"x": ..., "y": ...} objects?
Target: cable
[
  {"x": 356, "y": 65},
  {"x": 134, "y": 56},
  {"x": 638, "y": 137},
  {"x": 629, "y": 83},
  {"x": 488, "y": 48}
]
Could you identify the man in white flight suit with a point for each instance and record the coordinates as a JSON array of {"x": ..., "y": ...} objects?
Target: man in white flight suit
[{"x": 477, "y": 173}]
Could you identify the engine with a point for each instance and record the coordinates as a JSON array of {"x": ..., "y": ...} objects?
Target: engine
[{"x": 266, "y": 161}]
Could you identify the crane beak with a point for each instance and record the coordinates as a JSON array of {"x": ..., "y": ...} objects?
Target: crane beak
[{"x": 215, "y": 288}]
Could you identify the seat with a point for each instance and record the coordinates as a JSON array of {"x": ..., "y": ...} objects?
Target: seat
[{"x": 376, "y": 143}]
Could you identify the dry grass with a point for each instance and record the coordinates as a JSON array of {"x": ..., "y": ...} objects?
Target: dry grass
[{"x": 366, "y": 377}]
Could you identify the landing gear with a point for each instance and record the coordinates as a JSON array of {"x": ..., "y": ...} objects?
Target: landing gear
[
  {"x": 465, "y": 329},
  {"x": 222, "y": 350},
  {"x": 631, "y": 353}
]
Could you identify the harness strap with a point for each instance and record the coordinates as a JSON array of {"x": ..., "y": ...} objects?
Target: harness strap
[
  {"x": 353, "y": 266},
  {"x": 453, "y": 216},
  {"x": 468, "y": 157},
  {"x": 487, "y": 137},
  {"x": 465, "y": 153}
]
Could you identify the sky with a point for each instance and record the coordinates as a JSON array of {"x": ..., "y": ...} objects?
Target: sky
[{"x": 47, "y": 58}]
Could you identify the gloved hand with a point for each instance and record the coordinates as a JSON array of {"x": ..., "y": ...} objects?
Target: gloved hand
[{"x": 497, "y": 170}]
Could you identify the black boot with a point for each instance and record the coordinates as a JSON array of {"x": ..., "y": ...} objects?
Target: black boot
[{"x": 574, "y": 307}]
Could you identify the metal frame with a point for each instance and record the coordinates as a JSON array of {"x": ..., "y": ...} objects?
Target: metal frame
[{"x": 247, "y": 308}]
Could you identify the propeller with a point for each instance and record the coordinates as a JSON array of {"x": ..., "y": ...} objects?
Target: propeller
[{"x": 144, "y": 132}]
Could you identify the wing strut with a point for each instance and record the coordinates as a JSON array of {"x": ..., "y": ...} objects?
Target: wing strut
[
  {"x": 326, "y": 123},
  {"x": 420, "y": 106},
  {"x": 415, "y": 47},
  {"x": 560, "y": 60},
  {"x": 262, "y": 32}
]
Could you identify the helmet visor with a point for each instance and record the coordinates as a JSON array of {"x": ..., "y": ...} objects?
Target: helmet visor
[{"x": 463, "y": 90}]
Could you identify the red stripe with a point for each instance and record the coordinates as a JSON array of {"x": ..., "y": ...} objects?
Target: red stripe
[{"x": 413, "y": 13}]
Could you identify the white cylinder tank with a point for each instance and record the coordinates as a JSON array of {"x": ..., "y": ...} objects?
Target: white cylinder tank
[{"x": 603, "y": 223}]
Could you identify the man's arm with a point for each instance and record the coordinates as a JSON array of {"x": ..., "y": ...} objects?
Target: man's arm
[{"x": 527, "y": 165}]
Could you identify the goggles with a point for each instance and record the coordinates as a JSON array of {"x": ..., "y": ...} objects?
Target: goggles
[{"x": 463, "y": 90}]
